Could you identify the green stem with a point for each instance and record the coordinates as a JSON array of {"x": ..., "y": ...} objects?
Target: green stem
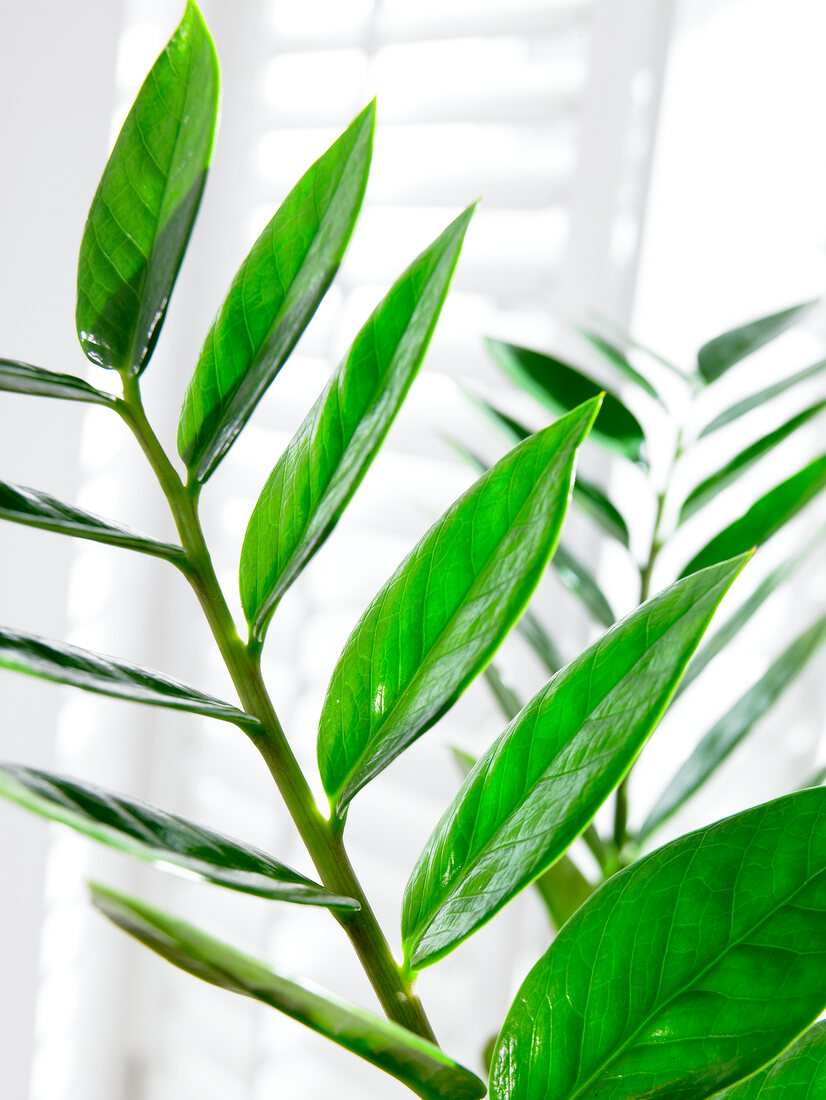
[{"x": 322, "y": 840}]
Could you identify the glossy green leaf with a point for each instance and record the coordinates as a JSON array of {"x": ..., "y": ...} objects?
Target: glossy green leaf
[
  {"x": 543, "y": 780},
  {"x": 757, "y": 400},
  {"x": 717, "y": 642},
  {"x": 330, "y": 453},
  {"x": 540, "y": 642},
  {"x": 765, "y": 517},
  {"x": 273, "y": 297},
  {"x": 67, "y": 664},
  {"x": 443, "y": 614},
  {"x": 579, "y": 579},
  {"x": 35, "y": 509},
  {"x": 685, "y": 972},
  {"x": 727, "y": 733},
  {"x": 798, "y": 1074},
  {"x": 711, "y": 486},
  {"x": 17, "y": 377},
  {"x": 142, "y": 213},
  {"x": 721, "y": 353},
  {"x": 612, "y": 354},
  {"x": 169, "y": 841},
  {"x": 420, "y": 1065},
  {"x": 560, "y": 387}
]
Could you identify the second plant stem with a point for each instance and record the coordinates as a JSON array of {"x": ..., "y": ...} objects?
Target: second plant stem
[{"x": 323, "y": 842}]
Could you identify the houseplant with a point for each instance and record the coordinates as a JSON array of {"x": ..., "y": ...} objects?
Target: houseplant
[{"x": 710, "y": 973}]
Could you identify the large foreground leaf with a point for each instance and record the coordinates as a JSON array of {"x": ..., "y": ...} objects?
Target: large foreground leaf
[
  {"x": 765, "y": 517},
  {"x": 543, "y": 780},
  {"x": 420, "y": 1065},
  {"x": 684, "y": 973},
  {"x": 798, "y": 1074},
  {"x": 561, "y": 388},
  {"x": 35, "y": 509},
  {"x": 727, "y": 733},
  {"x": 756, "y": 400},
  {"x": 67, "y": 664},
  {"x": 161, "y": 838},
  {"x": 443, "y": 614},
  {"x": 17, "y": 377},
  {"x": 146, "y": 202},
  {"x": 721, "y": 353},
  {"x": 272, "y": 298},
  {"x": 329, "y": 455}
]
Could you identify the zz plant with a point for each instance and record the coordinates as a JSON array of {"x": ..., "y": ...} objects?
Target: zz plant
[{"x": 687, "y": 972}]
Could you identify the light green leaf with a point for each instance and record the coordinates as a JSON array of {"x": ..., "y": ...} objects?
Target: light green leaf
[
  {"x": 273, "y": 297},
  {"x": 685, "y": 972},
  {"x": 612, "y": 354},
  {"x": 443, "y": 614},
  {"x": 756, "y": 400},
  {"x": 329, "y": 455},
  {"x": 726, "y": 734},
  {"x": 142, "y": 213},
  {"x": 576, "y": 577},
  {"x": 721, "y": 353},
  {"x": 798, "y": 1074},
  {"x": 67, "y": 664},
  {"x": 540, "y": 642},
  {"x": 17, "y": 377},
  {"x": 765, "y": 517},
  {"x": 420, "y": 1065},
  {"x": 711, "y": 486},
  {"x": 35, "y": 509},
  {"x": 506, "y": 698},
  {"x": 543, "y": 780},
  {"x": 164, "y": 839},
  {"x": 560, "y": 388}
]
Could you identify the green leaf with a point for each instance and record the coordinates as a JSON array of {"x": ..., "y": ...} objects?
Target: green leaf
[
  {"x": 721, "y": 353},
  {"x": 630, "y": 341},
  {"x": 67, "y": 664},
  {"x": 35, "y": 509},
  {"x": 17, "y": 377},
  {"x": 169, "y": 841},
  {"x": 273, "y": 297},
  {"x": 420, "y": 1065},
  {"x": 765, "y": 517},
  {"x": 711, "y": 486},
  {"x": 540, "y": 642},
  {"x": 443, "y": 614},
  {"x": 685, "y": 972},
  {"x": 576, "y": 577},
  {"x": 798, "y": 1074},
  {"x": 506, "y": 698},
  {"x": 543, "y": 780},
  {"x": 560, "y": 387},
  {"x": 612, "y": 354},
  {"x": 143, "y": 210},
  {"x": 718, "y": 641},
  {"x": 329, "y": 455},
  {"x": 756, "y": 400},
  {"x": 727, "y": 733}
]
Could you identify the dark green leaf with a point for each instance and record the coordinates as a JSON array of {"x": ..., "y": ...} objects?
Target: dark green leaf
[
  {"x": 718, "y": 641},
  {"x": 612, "y": 354},
  {"x": 685, "y": 972},
  {"x": 420, "y": 1065},
  {"x": 543, "y": 780},
  {"x": 540, "y": 642},
  {"x": 142, "y": 213},
  {"x": 757, "y": 400},
  {"x": 22, "y": 505},
  {"x": 324, "y": 464},
  {"x": 66, "y": 664},
  {"x": 17, "y": 377},
  {"x": 273, "y": 297},
  {"x": 726, "y": 734},
  {"x": 711, "y": 486},
  {"x": 164, "y": 839},
  {"x": 765, "y": 517},
  {"x": 721, "y": 353},
  {"x": 576, "y": 577},
  {"x": 560, "y": 387},
  {"x": 445, "y": 611},
  {"x": 798, "y": 1074}
]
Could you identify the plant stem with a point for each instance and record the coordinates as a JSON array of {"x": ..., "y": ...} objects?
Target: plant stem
[{"x": 323, "y": 842}]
